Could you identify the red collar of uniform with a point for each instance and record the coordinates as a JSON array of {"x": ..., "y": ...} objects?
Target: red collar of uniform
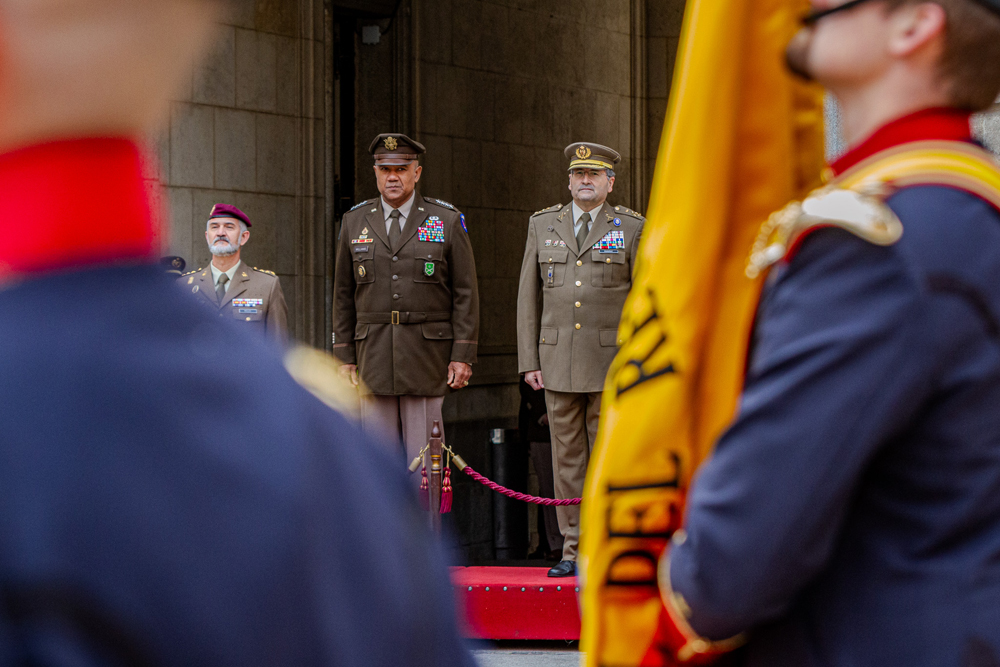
[
  {"x": 72, "y": 204},
  {"x": 938, "y": 124}
]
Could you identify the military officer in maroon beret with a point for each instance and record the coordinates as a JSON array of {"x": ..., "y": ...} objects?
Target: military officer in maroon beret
[
  {"x": 244, "y": 293},
  {"x": 406, "y": 302}
]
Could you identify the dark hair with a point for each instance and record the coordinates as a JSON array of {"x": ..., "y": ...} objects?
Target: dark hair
[{"x": 970, "y": 64}]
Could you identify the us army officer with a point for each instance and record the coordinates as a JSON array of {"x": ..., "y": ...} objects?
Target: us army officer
[
  {"x": 243, "y": 293},
  {"x": 576, "y": 274},
  {"x": 406, "y": 303}
]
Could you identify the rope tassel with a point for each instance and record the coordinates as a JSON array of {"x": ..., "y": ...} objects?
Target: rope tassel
[
  {"x": 446, "y": 492},
  {"x": 425, "y": 491}
]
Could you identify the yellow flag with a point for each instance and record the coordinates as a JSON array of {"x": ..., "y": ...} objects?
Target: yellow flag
[{"x": 742, "y": 139}]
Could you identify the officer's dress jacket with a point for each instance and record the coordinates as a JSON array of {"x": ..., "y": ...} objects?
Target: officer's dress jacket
[
  {"x": 166, "y": 502},
  {"x": 254, "y": 299},
  {"x": 569, "y": 301},
  {"x": 851, "y": 514},
  {"x": 403, "y": 313}
]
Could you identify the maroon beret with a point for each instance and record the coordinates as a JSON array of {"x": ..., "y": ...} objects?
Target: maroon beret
[{"x": 227, "y": 211}]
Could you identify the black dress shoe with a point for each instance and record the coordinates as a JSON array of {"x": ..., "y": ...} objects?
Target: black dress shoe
[{"x": 564, "y": 568}]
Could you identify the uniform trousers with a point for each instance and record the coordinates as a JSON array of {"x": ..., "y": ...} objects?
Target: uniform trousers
[
  {"x": 541, "y": 456},
  {"x": 573, "y": 419},
  {"x": 402, "y": 418}
]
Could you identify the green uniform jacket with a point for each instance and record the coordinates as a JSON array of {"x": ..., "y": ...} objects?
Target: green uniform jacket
[
  {"x": 569, "y": 302},
  {"x": 402, "y": 314},
  {"x": 254, "y": 298}
]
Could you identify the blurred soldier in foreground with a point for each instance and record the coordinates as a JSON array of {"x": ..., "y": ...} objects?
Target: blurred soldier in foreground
[
  {"x": 575, "y": 276},
  {"x": 851, "y": 513},
  {"x": 251, "y": 296},
  {"x": 406, "y": 301},
  {"x": 165, "y": 503}
]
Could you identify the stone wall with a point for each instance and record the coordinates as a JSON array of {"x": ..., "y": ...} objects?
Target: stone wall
[{"x": 248, "y": 130}]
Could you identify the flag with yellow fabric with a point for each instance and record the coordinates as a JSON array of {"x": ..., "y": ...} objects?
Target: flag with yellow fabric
[{"x": 742, "y": 139}]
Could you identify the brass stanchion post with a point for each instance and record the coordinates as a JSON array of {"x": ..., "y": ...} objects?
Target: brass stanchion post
[{"x": 435, "y": 476}]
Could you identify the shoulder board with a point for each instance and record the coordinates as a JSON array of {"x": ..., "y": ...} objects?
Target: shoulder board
[
  {"x": 863, "y": 214},
  {"x": 270, "y": 273},
  {"x": 855, "y": 201},
  {"x": 440, "y": 202},
  {"x": 627, "y": 211},
  {"x": 190, "y": 273},
  {"x": 357, "y": 206},
  {"x": 554, "y": 207}
]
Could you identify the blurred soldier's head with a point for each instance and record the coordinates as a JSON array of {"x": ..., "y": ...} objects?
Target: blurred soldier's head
[
  {"x": 591, "y": 173},
  {"x": 227, "y": 231},
  {"x": 80, "y": 68},
  {"x": 927, "y": 49},
  {"x": 397, "y": 168}
]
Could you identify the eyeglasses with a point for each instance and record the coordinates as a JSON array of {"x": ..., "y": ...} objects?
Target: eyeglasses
[{"x": 812, "y": 17}]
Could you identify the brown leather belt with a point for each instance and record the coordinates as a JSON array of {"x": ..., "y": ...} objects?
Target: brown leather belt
[{"x": 402, "y": 317}]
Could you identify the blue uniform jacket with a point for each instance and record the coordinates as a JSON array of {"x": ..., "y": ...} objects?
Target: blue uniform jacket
[
  {"x": 851, "y": 514},
  {"x": 170, "y": 497}
]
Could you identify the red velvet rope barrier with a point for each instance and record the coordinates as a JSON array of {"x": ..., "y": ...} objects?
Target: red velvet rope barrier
[{"x": 518, "y": 496}]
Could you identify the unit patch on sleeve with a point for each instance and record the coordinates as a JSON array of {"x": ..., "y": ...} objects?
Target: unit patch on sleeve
[
  {"x": 611, "y": 242},
  {"x": 432, "y": 230}
]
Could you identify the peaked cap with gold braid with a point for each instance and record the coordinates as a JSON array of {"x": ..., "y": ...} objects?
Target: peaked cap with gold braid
[{"x": 585, "y": 155}]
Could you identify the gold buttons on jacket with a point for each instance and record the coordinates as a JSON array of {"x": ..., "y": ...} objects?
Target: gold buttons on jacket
[
  {"x": 579, "y": 262},
  {"x": 608, "y": 260},
  {"x": 578, "y": 283},
  {"x": 577, "y": 304},
  {"x": 577, "y": 325},
  {"x": 550, "y": 259}
]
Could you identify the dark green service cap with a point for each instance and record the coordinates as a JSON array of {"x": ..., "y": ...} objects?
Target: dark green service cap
[{"x": 395, "y": 149}]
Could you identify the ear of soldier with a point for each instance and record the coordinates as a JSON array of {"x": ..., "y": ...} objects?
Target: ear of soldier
[{"x": 171, "y": 495}]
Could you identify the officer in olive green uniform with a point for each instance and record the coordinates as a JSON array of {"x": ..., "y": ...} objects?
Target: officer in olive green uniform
[
  {"x": 406, "y": 301},
  {"x": 243, "y": 293},
  {"x": 576, "y": 275}
]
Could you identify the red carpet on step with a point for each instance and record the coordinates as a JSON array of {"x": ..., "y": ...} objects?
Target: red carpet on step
[{"x": 516, "y": 603}]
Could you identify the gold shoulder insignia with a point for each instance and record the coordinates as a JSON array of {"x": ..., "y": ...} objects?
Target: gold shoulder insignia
[
  {"x": 270, "y": 273},
  {"x": 862, "y": 213},
  {"x": 627, "y": 211},
  {"x": 554, "y": 207},
  {"x": 191, "y": 273}
]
